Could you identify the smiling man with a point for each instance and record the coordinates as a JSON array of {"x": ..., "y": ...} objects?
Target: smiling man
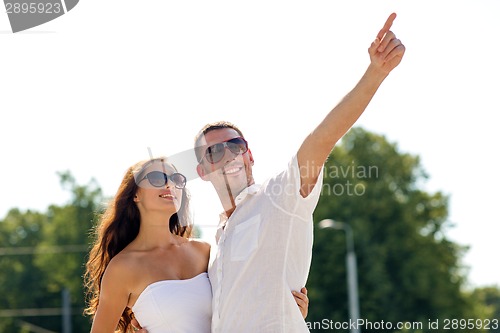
[
  {"x": 265, "y": 232},
  {"x": 264, "y": 237}
]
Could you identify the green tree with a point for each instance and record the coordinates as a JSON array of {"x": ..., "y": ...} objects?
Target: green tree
[
  {"x": 488, "y": 302},
  {"x": 21, "y": 282},
  {"x": 51, "y": 251},
  {"x": 408, "y": 270}
]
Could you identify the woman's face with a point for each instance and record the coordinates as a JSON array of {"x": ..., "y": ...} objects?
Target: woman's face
[{"x": 159, "y": 188}]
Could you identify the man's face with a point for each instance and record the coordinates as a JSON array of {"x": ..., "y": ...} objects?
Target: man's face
[{"x": 234, "y": 170}]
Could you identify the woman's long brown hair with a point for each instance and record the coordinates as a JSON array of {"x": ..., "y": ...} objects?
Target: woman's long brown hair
[{"x": 117, "y": 227}]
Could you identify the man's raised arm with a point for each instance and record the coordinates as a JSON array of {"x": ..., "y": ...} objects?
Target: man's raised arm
[{"x": 385, "y": 53}]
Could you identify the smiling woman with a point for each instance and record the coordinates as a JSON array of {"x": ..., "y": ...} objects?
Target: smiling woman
[{"x": 142, "y": 239}]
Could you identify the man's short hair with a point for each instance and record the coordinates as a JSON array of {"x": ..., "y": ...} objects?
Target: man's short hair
[{"x": 198, "y": 148}]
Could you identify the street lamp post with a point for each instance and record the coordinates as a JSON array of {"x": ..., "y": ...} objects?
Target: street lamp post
[{"x": 352, "y": 279}]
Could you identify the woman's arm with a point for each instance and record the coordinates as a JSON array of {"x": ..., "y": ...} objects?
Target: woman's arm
[{"x": 113, "y": 299}]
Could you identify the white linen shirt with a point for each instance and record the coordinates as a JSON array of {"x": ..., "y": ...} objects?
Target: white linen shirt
[{"x": 264, "y": 252}]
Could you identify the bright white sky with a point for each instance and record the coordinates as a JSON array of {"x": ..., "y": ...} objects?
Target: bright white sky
[{"x": 90, "y": 91}]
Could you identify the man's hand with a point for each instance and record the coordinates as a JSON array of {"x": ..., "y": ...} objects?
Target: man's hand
[
  {"x": 137, "y": 327},
  {"x": 302, "y": 301},
  {"x": 386, "y": 51}
]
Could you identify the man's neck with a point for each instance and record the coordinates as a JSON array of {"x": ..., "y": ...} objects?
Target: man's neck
[
  {"x": 229, "y": 212},
  {"x": 227, "y": 199},
  {"x": 228, "y": 196}
]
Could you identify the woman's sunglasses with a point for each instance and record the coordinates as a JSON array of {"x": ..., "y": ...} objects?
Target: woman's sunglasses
[
  {"x": 216, "y": 152},
  {"x": 159, "y": 179}
]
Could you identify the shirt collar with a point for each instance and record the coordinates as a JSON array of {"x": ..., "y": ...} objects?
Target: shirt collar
[{"x": 252, "y": 189}]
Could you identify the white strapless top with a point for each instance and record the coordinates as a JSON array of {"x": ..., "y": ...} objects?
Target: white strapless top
[{"x": 176, "y": 306}]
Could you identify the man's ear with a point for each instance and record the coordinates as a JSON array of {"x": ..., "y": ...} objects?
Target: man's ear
[
  {"x": 250, "y": 157},
  {"x": 201, "y": 172}
]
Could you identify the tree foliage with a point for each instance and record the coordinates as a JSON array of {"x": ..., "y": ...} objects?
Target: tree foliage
[{"x": 47, "y": 254}]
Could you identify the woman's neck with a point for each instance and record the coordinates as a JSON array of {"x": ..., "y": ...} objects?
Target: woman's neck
[{"x": 154, "y": 232}]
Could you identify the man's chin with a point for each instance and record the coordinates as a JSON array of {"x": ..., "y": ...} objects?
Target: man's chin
[{"x": 235, "y": 186}]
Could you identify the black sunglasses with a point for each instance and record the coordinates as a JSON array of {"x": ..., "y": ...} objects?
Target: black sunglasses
[
  {"x": 159, "y": 179},
  {"x": 216, "y": 152}
]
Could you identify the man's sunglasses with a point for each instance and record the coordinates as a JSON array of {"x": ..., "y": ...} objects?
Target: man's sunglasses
[
  {"x": 159, "y": 179},
  {"x": 216, "y": 152}
]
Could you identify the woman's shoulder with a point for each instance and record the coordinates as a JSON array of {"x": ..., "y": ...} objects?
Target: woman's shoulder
[
  {"x": 118, "y": 271},
  {"x": 202, "y": 250},
  {"x": 125, "y": 262},
  {"x": 199, "y": 244},
  {"x": 119, "y": 262}
]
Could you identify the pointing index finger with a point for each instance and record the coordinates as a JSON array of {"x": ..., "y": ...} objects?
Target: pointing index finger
[{"x": 387, "y": 26}]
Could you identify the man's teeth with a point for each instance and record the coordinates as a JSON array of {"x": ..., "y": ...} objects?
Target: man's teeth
[{"x": 232, "y": 170}]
